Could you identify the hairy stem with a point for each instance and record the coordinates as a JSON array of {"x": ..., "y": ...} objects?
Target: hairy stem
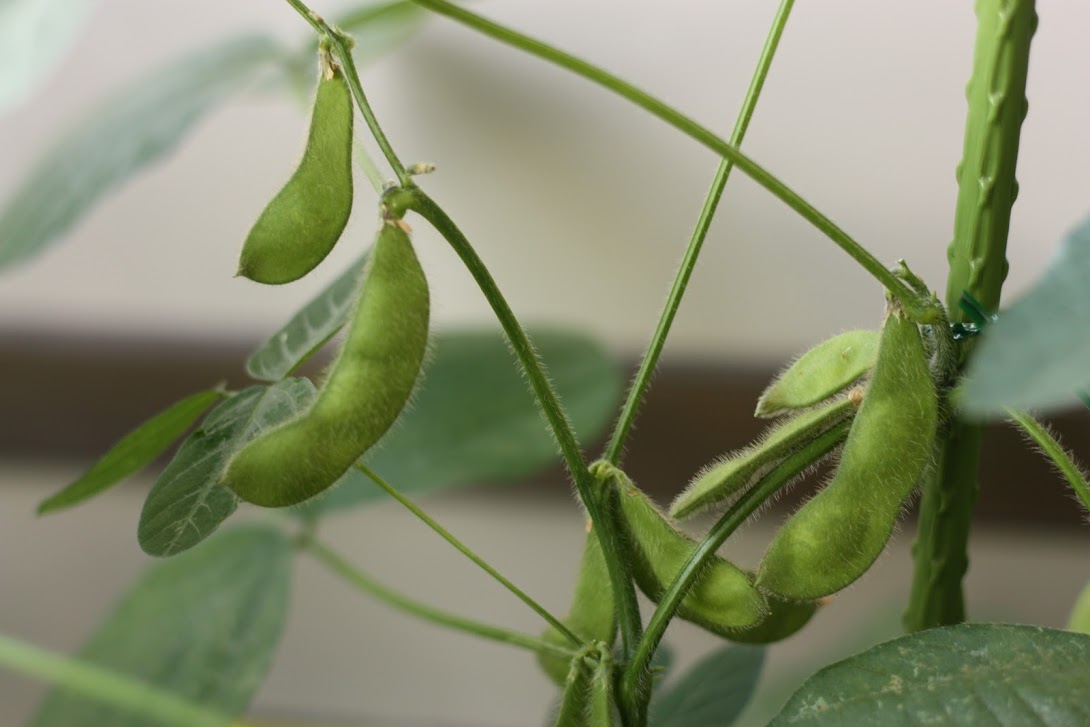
[
  {"x": 608, "y": 533},
  {"x": 106, "y": 686},
  {"x": 623, "y": 428},
  {"x": 978, "y": 266},
  {"x": 1054, "y": 451},
  {"x": 342, "y": 45},
  {"x": 336, "y": 563},
  {"x": 467, "y": 552},
  {"x": 917, "y": 309}
]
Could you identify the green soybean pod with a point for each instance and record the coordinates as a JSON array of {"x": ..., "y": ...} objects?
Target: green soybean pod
[
  {"x": 722, "y": 481},
  {"x": 820, "y": 373},
  {"x": 785, "y": 618},
  {"x": 835, "y": 537},
  {"x": 367, "y": 387},
  {"x": 721, "y": 599},
  {"x": 575, "y": 700},
  {"x": 591, "y": 617},
  {"x": 303, "y": 222},
  {"x": 601, "y": 712}
]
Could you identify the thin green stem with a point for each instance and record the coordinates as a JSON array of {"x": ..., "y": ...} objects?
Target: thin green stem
[
  {"x": 354, "y": 576},
  {"x": 106, "y": 686},
  {"x": 1054, "y": 451},
  {"x": 920, "y": 311},
  {"x": 636, "y": 672},
  {"x": 341, "y": 44},
  {"x": 608, "y": 533},
  {"x": 623, "y": 428},
  {"x": 467, "y": 552}
]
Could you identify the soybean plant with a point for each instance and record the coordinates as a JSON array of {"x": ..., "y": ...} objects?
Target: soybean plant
[{"x": 884, "y": 406}]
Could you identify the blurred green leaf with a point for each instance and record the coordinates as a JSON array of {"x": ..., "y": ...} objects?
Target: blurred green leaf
[
  {"x": 35, "y": 35},
  {"x": 188, "y": 503},
  {"x": 1037, "y": 355},
  {"x": 309, "y": 329},
  {"x": 714, "y": 691},
  {"x": 970, "y": 674},
  {"x": 1079, "y": 619},
  {"x": 474, "y": 420},
  {"x": 137, "y": 126},
  {"x": 134, "y": 451},
  {"x": 378, "y": 28},
  {"x": 204, "y": 626}
]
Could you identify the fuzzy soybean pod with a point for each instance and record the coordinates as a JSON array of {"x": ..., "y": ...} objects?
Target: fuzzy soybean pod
[
  {"x": 722, "y": 599},
  {"x": 785, "y": 618},
  {"x": 587, "y": 700},
  {"x": 835, "y": 537},
  {"x": 591, "y": 617},
  {"x": 303, "y": 222},
  {"x": 722, "y": 481},
  {"x": 820, "y": 373},
  {"x": 367, "y": 387}
]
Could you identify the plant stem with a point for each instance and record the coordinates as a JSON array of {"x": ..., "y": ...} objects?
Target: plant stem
[
  {"x": 106, "y": 686},
  {"x": 467, "y": 552},
  {"x": 636, "y": 672},
  {"x": 365, "y": 583},
  {"x": 978, "y": 265},
  {"x": 342, "y": 45},
  {"x": 608, "y": 533},
  {"x": 1054, "y": 451},
  {"x": 650, "y": 360},
  {"x": 916, "y": 308}
]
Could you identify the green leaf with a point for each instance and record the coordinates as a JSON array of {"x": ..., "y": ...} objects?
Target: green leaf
[
  {"x": 474, "y": 420},
  {"x": 34, "y": 36},
  {"x": 378, "y": 28},
  {"x": 971, "y": 674},
  {"x": 714, "y": 691},
  {"x": 309, "y": 329},
  {"x": 1037, "y": 355},
  {"x": 139, "y": 125},
  {"x": 203, "y": 626},
  {"x": 134, "y": 451},
  {"x": 188, "y": 503}
]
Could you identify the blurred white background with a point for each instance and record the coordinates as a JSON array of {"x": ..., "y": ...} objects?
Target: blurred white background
[{"x": 579, "y": 202}]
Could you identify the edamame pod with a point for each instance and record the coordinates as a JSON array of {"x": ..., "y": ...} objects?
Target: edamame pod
[
  {"x": 820, "y": 373},
  {"x": 575, "y": 701},
  {"x": 835, "y": 537},
  {"x": 588, "y": 690},
  {"x": 367, "y": 386},
  {"x": 723, "y": 597},
  {"x": 601, "y": 709},
  {"x": 306, "y": 218},
  {"x": 784, "y": 619},
  {"x": 592, "y": 617},
  {"x": 722, "y": 481}
]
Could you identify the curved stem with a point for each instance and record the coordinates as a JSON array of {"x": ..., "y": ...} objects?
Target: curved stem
[
  {"x": 342, "y": 45},
  {"x": 636, "y": 672},
  {"x": 105, "y": 686},
  {"x": 608, "y": 533},
  {"x": 465, "y": 550},
  {"x": 650, "y": 360},
  {"x": 920, "y": 310},
  {"x": 332, "y": 560},
  {"x": 1054, "y": 451}
]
